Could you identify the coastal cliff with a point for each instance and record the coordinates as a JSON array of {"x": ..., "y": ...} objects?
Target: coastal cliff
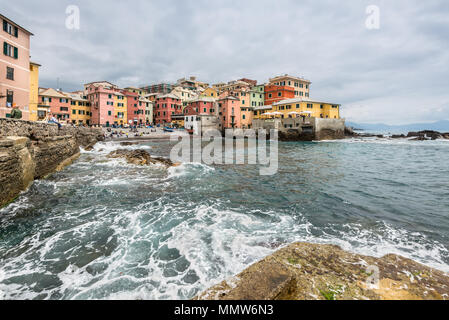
[
  {"x": 30, "y": 151},
  {"x": 304, "y": 271}
]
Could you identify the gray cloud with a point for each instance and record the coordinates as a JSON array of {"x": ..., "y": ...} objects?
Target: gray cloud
[{"x": 397, "y": 74}]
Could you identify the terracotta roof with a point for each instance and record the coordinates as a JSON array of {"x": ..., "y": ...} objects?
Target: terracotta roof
[{"x": 53, "y": 93}]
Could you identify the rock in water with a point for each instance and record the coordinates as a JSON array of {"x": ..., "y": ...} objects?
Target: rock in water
[
  {"x": 127, "y": 143},
  {"x": 140, "y": 157},
  {"x": 305, "y": 271}
]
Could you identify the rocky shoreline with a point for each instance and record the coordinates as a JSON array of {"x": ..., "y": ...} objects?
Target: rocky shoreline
[
  {"x": 423, "y": 135},
  {"x": 305, "y": 271},
  {"x": 30, "y": 150}
]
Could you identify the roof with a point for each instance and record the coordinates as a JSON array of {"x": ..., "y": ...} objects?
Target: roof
[
  {"x": 53, "y": 93},
  {"x": 169, "y": 95},
  {"x": 202, "y": 98},
  {"x": 299, "y": 100},
  {"x": 267, "y": 107},
  {"x": 77, "y": 96},
  {"x": 17, "y": 25},
  {"x": 290, "y": 77},
  {"x": 229, "y": 98},
  {"x": 99, "y": 83},
  {"x": 35, "y": 64}
]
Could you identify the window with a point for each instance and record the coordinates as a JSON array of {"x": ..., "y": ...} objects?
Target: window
[
  {"x": 243, "y": 117},
  {"x": 279, "y": 94},
  {"x": 63, "y": 109},
  {"x": 270, "y": 95},
  {"x": 9, "y": 98},
  {"x": 297, "y": 106},
  {"x": 10, "y": 51},
  {"x": 9, "y": 73},
  {"x": 9, "y": 28},
  {"x": 109, "y": 113},
  {"x": 73, "y": 111}
]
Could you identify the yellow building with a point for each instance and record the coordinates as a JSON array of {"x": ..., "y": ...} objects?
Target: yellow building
[
  {"x": 140, "y": 92},
  {"x": 120, "y": 109},
  {"x": 210, "y": 92},
  {"x": 291, "y": 108},
  {"x": 80, "y": 109},
  {"x": 34, "y": 90}
]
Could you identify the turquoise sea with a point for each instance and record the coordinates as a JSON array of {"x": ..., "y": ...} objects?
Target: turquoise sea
[{"x": 103, "y": 229}]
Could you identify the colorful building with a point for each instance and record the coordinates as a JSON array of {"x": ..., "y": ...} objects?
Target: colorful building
[
  {"x": 80, "y": 110},
  {"x": 183, "y": 94},
  {"x": 166, "y": 106},
  {"x": 210, "y": 92},
  {"x": 120, "y": 108},
  {"x": 34, "y": 91},
  {"x": 149, "y": 106},
  {"x": 229, "y": 112},
  {"x": 300, "y": 86},
  {"x": 276, "y": 93},
  {"x": 201, "y": 105},
  {"x": 292, "y": 108},
  {"x": 160, "y": 88},
  {"x": 257, "y": 96},
  {"x": 101, "y": 96},
  {"x": 56, "y": 103},
  {"x": 14, "y": 69}
]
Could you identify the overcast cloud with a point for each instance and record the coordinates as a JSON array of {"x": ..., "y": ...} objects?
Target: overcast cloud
[{"x": 397, "y": 74}]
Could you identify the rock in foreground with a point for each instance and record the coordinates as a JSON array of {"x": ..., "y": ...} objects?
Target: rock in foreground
[
  {"x": 304, "y": 271},
  {"x": 140, "y": 157}
]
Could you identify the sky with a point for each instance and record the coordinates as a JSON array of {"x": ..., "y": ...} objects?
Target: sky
[{"x": 396, "y": 74}]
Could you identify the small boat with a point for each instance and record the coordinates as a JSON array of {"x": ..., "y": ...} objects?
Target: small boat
[{"x": 168, "y": 129}]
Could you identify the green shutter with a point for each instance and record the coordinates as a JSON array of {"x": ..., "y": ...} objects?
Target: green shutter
[
  {"x": 16, "y": 53},
  {"x": 5, "y": 48}
]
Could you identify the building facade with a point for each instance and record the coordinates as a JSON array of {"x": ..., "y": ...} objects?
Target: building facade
[
  {"x": 101, "y": 96},
  {"x": 80, "y": 110},
  {"x": 166, "y": 106},
  {"x": 57, "y": 103},
  {"x": 300, "y": 86},
  {"x": 293, "y": 108},
  {"x": 161, "y": 88},
  {"x": 34, "y": 91},
  {"x": 201, "y": 105},
  {"x": 229, "y": 113},
  {"x": 14, "y": 69},
  {"x": 275, "y": 93}
]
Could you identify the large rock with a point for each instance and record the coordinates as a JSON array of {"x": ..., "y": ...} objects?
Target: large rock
[
  {"x": 304, "y": 271},
  {"x": 140, "y": 157},
  {"x": 23, "y": 160},
  {"x": 426, "y": 135}
]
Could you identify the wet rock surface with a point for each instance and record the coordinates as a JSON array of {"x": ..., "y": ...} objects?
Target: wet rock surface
[
  {"x": 140, "y": 157},
  {"x": 304, "y": 271}
]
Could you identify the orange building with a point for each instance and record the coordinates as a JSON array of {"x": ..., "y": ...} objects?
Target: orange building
[{"x": 274, "y": 93}]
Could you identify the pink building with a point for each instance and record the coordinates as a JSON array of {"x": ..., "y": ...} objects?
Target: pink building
[
  {"x": 166, "y": 106},
  {"x": 229, "y": 112},
  {"x": 58, "y": 104},
  {"x": 136, "y": 111},
  {"x": 101, "y": 97},
  {"x": 201, "y": 105},
  {"x": 14, "y": 68}
]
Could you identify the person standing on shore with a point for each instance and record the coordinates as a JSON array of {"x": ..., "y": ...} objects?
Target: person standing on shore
[
  {"x": 55, "y": 121},
  {"x": 16, "y": 113}
]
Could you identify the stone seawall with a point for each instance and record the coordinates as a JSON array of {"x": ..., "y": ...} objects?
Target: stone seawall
[
  {"x": 305, "y": 271},
  {"x": 85, "y": 136},
  {"x": 30, "y": 151}
]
